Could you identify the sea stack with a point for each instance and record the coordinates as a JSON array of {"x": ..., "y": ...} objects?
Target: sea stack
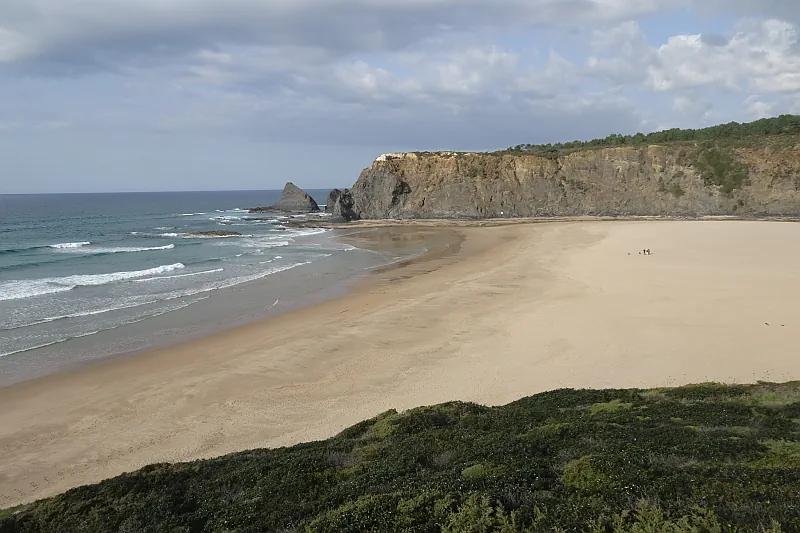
[
  {"x": 295, "y": 200},
  {"x": 341, "y": 205}
]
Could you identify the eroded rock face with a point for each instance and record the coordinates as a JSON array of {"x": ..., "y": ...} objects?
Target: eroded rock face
[
  {"x": 293, "y": 200},
  {"x": 341, "y": 205},
  {"x": 643, "y": 180}
]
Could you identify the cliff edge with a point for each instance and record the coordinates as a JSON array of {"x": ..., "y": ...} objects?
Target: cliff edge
[{"x": 752, "y": 177}]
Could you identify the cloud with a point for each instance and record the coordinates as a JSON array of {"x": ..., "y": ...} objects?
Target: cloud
[
  {"x": 787, "y": 10},
  {"x": 691, "y": 107},
  {"x": 80, "y": 31},
  {"x": 627, "y": 53},
  {"x": 469, "y": 98},
  {"x": 449, "y": 73},
  {"x": 760, "y": 55},
  {"x": 758, "y": 108}
]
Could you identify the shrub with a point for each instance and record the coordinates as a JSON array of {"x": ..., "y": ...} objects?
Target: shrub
[
  {"x": 698, "y": 456},
  {"x": 718, "y": 167}
]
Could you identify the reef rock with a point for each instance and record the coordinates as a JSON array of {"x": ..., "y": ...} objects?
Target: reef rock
[{"x": 214, "y": 233}]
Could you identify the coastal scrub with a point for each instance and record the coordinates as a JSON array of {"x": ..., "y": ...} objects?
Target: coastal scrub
[{"x": 700, "y": 458}]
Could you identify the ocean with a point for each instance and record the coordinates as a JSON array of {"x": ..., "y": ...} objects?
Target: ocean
[{"x": 86, "y": 276}]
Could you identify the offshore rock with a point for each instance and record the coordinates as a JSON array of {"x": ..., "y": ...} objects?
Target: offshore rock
[
  {"x": 293, "y": 200},
  {"x": 341, "y": 205},
  {"x": 214, "y": 233}
]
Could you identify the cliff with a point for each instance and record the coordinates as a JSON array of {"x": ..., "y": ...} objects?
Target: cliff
[{"x": 746, "y": 177}]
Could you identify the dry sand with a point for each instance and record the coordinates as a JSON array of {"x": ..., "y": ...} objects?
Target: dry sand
[{"x": 516, "y": 310}]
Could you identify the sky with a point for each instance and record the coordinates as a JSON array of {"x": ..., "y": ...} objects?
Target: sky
[{"x": 148, "y": 95}]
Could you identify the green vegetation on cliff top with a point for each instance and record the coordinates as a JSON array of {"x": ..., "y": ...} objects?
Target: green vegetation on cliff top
[
  {"x": 783, "y": 125},
  {"x": 702, "y": 458}
]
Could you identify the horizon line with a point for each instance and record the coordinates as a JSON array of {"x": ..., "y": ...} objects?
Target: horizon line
[{"x": 156, "y": 192}]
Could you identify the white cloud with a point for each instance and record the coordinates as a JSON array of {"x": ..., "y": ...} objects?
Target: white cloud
[
  {"x": 692, "y": 107},
  {"x": 621, "y": 36},
  {"x": 758, "y": 108},
  {"x": 761, "y": 55},
  {"x": 332, "y": 70},
  {"x": 628, "y": 53}
]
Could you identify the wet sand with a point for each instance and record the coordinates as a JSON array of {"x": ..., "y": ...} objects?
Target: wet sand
[{"x": 493, "y": 315}]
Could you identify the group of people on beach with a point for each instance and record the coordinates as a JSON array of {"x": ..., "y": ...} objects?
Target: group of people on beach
[{"x": 645, "y": 252}]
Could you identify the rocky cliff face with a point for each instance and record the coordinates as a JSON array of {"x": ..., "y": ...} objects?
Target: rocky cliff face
[
  {"x": 689, "y": 179},
  {"x": 341, "y": 205}
]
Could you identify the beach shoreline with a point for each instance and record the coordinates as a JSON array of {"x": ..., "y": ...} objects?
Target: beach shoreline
[
  {"x": 283, "y": 292},
  {"x": 503, "y": 311},
  {"x": 451, "y": 222}
]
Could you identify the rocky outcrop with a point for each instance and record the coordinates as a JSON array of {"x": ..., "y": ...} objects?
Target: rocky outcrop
[
  {"x": 293, "y": 200},
  {"x": 670, "y": 180},
  {"x": 341, "y": 205},
  {"x": 214, "y": 233}
]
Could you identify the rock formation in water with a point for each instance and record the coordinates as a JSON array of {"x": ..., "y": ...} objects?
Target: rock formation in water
[
  {"x": 293, "y": 200},
  {"x": 341, "y": 205},
  {"x": 214, "y": 233},
  {"x": 756, "y": 177}
]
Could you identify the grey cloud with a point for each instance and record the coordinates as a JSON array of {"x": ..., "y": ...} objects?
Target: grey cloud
[
  {"x": 631, "y": 55},
  {"x": 788, "y": 10},
  {"x": 86, "y": 36},
  {"x": 485, "y": 127},
  {"x": 288, "y": 71},
  {"x": 713, "y": 39}
]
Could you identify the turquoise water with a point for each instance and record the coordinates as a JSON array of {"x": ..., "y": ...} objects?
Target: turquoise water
[{"x": 81, "y": 266}]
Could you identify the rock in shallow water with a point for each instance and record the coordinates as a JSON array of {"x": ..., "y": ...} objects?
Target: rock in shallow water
[
  {"x": 293, "y": 200},
  {"x": 214, "y": 233},
  {"x": 341, "y": 205}
]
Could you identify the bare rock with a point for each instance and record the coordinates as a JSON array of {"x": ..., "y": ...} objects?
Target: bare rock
[
  {"x": 295, "y": 200},
  {"x": 341, "y": 205},
  {"x": 664, "y": 180},
  {"x": 214, "y": 233}
]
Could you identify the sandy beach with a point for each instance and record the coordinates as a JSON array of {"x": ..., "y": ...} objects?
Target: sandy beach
[{"x": 508, "y": 311}]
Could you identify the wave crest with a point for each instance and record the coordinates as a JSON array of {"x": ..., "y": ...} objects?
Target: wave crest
[
  {"x": 117, "y": 249},
  {"x": 30, "y": 288},
  {"x": 66, "y": 245}
]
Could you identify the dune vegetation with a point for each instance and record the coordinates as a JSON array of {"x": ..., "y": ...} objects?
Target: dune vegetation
[{"x": 701, "y": 458}]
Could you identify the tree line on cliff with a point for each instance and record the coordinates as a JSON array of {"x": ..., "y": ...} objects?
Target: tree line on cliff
[
  {"x": 702, "y": 458},
  {"x": 782, "y": 125}
]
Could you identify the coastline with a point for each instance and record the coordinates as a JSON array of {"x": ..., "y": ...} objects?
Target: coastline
[
  {"x": 512, "y": 221},
  {"x": 513, "y": 310},
  {"x": 243, "y": 304}
]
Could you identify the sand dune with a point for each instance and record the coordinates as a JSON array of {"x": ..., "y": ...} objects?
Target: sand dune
[{"x": 513, "y": 311}]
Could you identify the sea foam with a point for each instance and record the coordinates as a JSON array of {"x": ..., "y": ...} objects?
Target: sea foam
[
  {"x": 29, "y": 288},
  {"x": 117, "y": 249},
  {"x": 67, "y": 245}
]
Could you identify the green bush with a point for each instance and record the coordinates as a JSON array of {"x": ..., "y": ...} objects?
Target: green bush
[
  {"x": 609, "y": 407},
  {"x": 779, "y": 127},
  {"x": 676, "y": 190},
  {"x": 481, "y": 470},
  {"x": 718, "y": 167},
  {"x": 583, "y": 474},
  {"x": 695, "y": 458}
]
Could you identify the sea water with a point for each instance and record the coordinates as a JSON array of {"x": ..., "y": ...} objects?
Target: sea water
[{"x": 84, "y": 276}]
